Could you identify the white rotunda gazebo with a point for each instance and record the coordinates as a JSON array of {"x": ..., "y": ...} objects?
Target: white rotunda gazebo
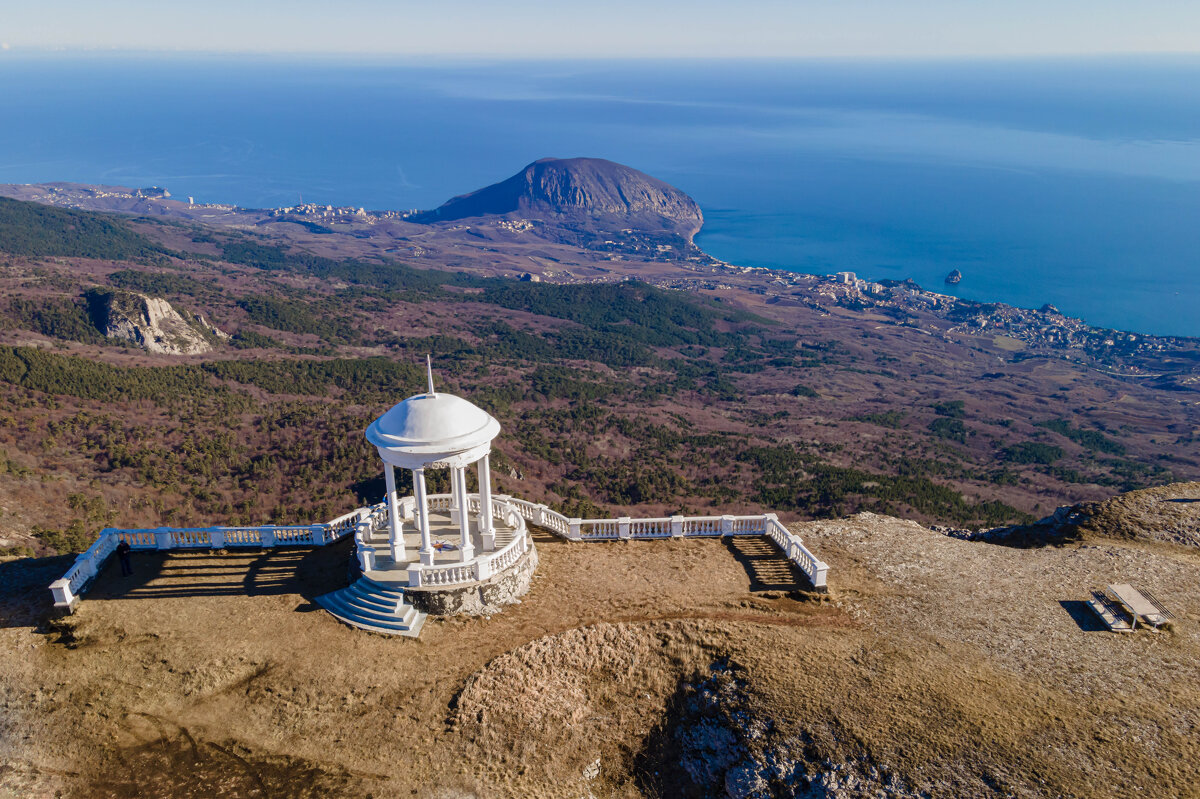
[
  {"x": 461, "y": 552},
  {"x": 439, "y": 554},
  {"x": 434, "y": 431}
]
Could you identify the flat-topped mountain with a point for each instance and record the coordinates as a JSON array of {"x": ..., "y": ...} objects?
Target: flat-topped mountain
[{"x": 585, "y": 188}]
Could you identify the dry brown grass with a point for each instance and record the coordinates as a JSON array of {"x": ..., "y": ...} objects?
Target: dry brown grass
[
  {"x": 954, "y": 665},
  {"x": 1169, "y": 513}
]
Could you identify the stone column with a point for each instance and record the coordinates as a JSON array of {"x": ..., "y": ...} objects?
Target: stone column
[
  {"x": 395, "y": 527},
  {"x": 487, "y": 527},
  {"x": 63, "y": 598},
  {"x": 459, "y": 476},
  {"x": 422, "y": 511},
  {"x": 455, "y": 502}
]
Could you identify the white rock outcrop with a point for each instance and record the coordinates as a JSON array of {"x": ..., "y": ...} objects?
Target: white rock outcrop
[{"x": 152, "y": 323}]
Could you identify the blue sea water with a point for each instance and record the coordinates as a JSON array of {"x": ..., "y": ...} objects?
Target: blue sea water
[{"x": 1073, "y": 181}]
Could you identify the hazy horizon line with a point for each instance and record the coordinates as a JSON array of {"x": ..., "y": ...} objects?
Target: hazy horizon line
[{"x": 347, "y": 55}]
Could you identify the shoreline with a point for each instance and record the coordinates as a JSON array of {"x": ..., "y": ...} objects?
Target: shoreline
[
  {"x": 992, "y": 300},
  {"x": 323, "y": 219}
]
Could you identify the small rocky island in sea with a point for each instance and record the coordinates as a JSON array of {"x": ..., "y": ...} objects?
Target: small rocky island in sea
[{"x": 954, "y": 278}]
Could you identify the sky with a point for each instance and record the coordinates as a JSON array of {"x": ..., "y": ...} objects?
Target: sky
[{"x": 608, "y": 28}]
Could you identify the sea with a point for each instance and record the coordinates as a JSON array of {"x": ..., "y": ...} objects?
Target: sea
[{"x": 1072, "y": 181}]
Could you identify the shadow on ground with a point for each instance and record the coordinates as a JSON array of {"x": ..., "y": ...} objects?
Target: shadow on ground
[
  {"x": 309, "y": 572},
  {"x": 766, "y": 566},
  {"x": 1082, "y": 615},
  {"x": 25, "y": 599},
  {"x": 179, "y": 763}
]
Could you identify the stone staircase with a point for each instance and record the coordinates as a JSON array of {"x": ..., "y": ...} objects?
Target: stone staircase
[
  {"x": 504, "y": 536},
  {"x": 373, "y": 606}
]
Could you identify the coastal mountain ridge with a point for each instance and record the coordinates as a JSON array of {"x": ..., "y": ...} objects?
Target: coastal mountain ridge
[{"x": 586, "y": 187}]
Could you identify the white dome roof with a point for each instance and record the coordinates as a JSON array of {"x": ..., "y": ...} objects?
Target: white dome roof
[{"x": 433, "y": 424}]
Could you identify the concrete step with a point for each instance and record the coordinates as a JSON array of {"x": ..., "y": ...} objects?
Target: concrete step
[
  {"x": 377, "y": 587},
  {"x": 368, "y": 605},
  {"x": 371, "y": 607},
  {"x": 385, "y": 609},
  {"x": 381, "y": 602},
  {"x": 385, "y": 629},
  {"x": 407, "y": 623}
]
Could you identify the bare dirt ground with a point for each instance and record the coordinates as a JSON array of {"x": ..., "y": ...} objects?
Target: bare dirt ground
[{"x": 936, "y": 667}]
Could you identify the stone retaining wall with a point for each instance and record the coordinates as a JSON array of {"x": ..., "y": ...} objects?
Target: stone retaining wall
[{"x": 478, "y": 599}]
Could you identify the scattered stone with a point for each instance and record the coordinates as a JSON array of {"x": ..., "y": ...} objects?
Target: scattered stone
[
  {"x": 715, "y": 738},
  {"x": 1166, "y": 514}
]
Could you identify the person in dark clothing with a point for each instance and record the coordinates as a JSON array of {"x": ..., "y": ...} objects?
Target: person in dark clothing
[{"x": 123, "y": 549}]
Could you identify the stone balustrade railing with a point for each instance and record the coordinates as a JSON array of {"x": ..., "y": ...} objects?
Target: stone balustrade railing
[
  {"x": 794, "y": 548},
  {"x": 482, "y": 566},
  {"x": 371, "y": 521},
  {"x": 542, "y": 516},
  {"x": 626, "y": 528},
  {"x": 363, "y": 522},
  {"x": 68, "y": 589},
  {"x": 508, "y": 509}
]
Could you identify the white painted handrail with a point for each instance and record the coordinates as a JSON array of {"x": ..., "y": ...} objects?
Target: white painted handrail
[
  {"x": 510, "y": 554},
  {"x": 542, "y": 516},
  {"x": 70, "y": 587},
  {"x": 364, "y": 521},
  {"x": 626, "y": 528},
  {"x": 484, "y": 566},
  {"x": 793, "y": 546}
]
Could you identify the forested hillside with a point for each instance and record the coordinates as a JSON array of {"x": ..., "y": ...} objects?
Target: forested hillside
[{"x": 615, "y": 397}]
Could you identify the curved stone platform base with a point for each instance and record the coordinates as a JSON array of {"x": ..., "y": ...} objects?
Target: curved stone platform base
[{"x": 478, "y": 599}]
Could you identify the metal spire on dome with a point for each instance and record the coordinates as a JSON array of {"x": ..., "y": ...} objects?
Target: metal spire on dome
[{"x": 429, "y": 370}]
